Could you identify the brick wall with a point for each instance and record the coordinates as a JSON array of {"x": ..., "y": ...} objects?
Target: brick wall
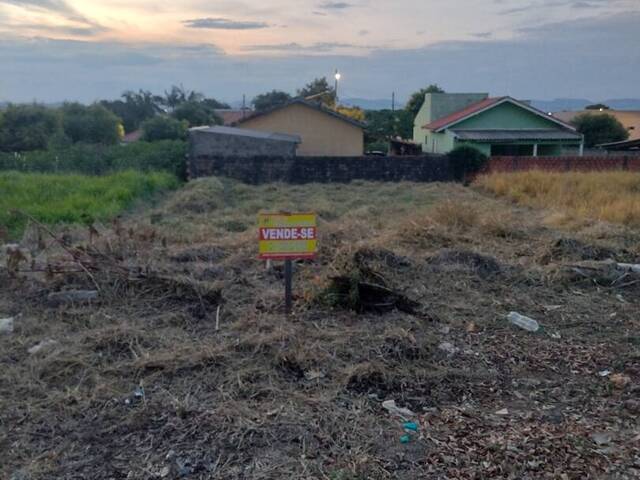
[
  {"x": 265, "y": 169},
  {"x": 565, "y": 163}
]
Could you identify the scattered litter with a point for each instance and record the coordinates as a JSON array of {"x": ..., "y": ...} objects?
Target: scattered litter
[
  {"x": 164, "y": 472},
  {"x": 471, "y": 327},
  {"x": 620, "y": 380},
  {"x": 6, "y": 325},
  {"x": 445, "y": 329},
  {"x": 43, "y": 345},
  {"x": 630, "y": 267},
  {"x": 555, "y": 335},
  {"x": 405, "y": 438},
  {"x": 393, "y": 409},
  {"x": 504, "y": 411},
  {"x": 448, "y": 348},
  {"x": 521, "y": 321},
  {"x": 72, "y": 296},
  {"x": 601, "y": 438},
  {"x": 413, "y": 426},
  {"x": 604, "y": 373}
]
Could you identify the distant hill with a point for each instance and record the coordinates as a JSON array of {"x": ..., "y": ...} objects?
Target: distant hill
[{"x": 573, "y": 104}]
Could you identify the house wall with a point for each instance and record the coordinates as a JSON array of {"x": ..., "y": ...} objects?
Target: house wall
[
  {"x": 210, "y": 143},
  {"x": 438, "y": 105},
  {"x": 629, "y": 118},
  {"x": 321, "y": 133}
]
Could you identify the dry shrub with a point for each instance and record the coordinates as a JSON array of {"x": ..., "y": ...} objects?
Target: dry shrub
[{"x": 609, "y": 196}]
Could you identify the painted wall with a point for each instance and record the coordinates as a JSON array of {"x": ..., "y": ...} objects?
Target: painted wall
[
  {"x": 321, "y": 133},
  {"x": 438, "y": 105},
  {"x": 506, "y": 116}
]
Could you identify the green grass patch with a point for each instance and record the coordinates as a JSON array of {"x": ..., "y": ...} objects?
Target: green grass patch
[{"x": 54, "y": 199}]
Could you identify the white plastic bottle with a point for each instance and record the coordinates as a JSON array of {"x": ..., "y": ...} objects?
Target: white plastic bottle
[{"x": 521, "y": 321}]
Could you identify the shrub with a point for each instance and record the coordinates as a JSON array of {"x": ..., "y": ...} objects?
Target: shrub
[
  {"x": 163, "y": 127},
  {"x": 166, "y": 155},
  {"x": 600, "y": 128},
  {"x": 466, "y": 162},
  {"x": 90, "y": 124}
]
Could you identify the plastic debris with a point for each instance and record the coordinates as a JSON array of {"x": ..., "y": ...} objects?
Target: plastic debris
[
  {"x": 393, "y": 409},
  {"x": 604, "y": 373},
  {"x": 6, "y": 325},
  {"x": 43, "y": 345},
  {"x": 521, "y": 321},
  {"x": 601, "y": 438},
  {"x": 413, "y": 426},
  {"x": 405, "y": 438},
  {"x": 504, "y": 411}
]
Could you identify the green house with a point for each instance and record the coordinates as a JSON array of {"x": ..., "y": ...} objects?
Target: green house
[{"x": 496, "y": 126}]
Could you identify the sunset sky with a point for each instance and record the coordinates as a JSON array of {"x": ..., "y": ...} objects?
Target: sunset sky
[{"x": 52, "y": 50}]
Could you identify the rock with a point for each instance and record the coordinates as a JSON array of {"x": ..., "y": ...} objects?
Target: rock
[
  {"x": 504, "y": 411},
  {"x": 620, "y": 380},
  {"x": 6, "y": 325},
  {"x": 42, "y": 346},
  {"x": 448, "y": 347},
  {"x": 72, "y": 296},
  {"x": 601, "y": 438}
]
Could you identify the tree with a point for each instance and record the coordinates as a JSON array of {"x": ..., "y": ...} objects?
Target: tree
[
  {"x": 320, "y": 90},
  {"x": 597, "y": 106},
  {"x": 417, "y": 98},
  {"x": 163, "y": 127},
  {"x": 90, "y": 124},
  {"x": 383, "y": 124},
  {"x": 600, "y": 128},
  {"x": 28, "y": 127},
  {"x": 135, "y": 108},
  {"x": 356, "y": 113},
  {"x": 196, "y": 114},
  {"x": 271, "y": 99}
]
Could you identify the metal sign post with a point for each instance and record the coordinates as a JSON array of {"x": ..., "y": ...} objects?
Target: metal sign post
[{"x": 287, "y": 236}]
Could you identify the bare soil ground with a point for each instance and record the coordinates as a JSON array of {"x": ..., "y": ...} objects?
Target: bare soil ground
[{"x": 186, "y": 367}]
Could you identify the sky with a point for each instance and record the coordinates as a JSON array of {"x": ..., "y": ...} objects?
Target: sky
[{"x": 86, "y": 50}]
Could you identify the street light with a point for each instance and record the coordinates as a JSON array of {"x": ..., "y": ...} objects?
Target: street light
[{"x": 337, "y": 77}]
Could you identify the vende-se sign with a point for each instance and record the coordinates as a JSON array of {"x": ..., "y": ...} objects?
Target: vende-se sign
[{"x": 286, "y": 236}]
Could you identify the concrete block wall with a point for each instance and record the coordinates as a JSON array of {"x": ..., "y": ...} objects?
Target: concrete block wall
[{"x": 298, "y": 170}]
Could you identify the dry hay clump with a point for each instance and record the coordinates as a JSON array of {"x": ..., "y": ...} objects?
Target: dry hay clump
[
  {"x": 454, "y": 260},
  {"x": 571, "y": 249}
]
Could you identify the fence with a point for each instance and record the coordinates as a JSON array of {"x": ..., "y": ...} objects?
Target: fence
[
  {"x": 265, "y": 169},
  {"x": 564, "y": 163}
]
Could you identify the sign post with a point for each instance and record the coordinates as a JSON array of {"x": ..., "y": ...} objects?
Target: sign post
[{"x": 287, "y": 236}]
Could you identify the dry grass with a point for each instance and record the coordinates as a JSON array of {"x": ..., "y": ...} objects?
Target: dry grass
[
  {"x": 607, "y": 196},
  {"x": 260, "y": 395}
]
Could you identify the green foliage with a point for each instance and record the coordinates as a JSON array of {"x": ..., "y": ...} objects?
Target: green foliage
[
  {"x": 135, "y": 108},
  {"x": 163, "y": 127},
  {"x": 28, "y": 127},
  {"x": 417, "y": 99},
  {"x": 321, "y": 91},
  {"x": 270, "y": 99},
  {"x": 167, "y": 155},
  {"x": 92, "y": 124},
  {"x": 383, "y": 124},
  {"x": 56, "y": 199},
  {"x": 600, "y": 128},
  {"x": 196, "y": 114},
  {"x": 465, "y": 162}
]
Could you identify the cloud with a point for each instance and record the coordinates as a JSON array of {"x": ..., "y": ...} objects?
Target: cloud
[
  {"x": 223, "y": 24},
  {"x": 483, "y": 35},
  {"x": 57, "y": 6},
  {"x": 88, "y": 31},
  {"x": 593, "y": 58},
  {"x": 294, "y": 47},
  {"x": 335, "y": 5},
  {"x": 362, "y": 33}
]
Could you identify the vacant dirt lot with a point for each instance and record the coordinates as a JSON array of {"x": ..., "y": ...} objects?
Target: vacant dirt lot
[{"x": 185, "y": 367}]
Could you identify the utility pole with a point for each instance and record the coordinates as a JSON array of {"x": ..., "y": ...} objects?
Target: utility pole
[{"x": 393, "y": 101}]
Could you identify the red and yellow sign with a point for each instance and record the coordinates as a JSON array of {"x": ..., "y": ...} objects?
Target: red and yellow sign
[{"x": 286, "y": 236}]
